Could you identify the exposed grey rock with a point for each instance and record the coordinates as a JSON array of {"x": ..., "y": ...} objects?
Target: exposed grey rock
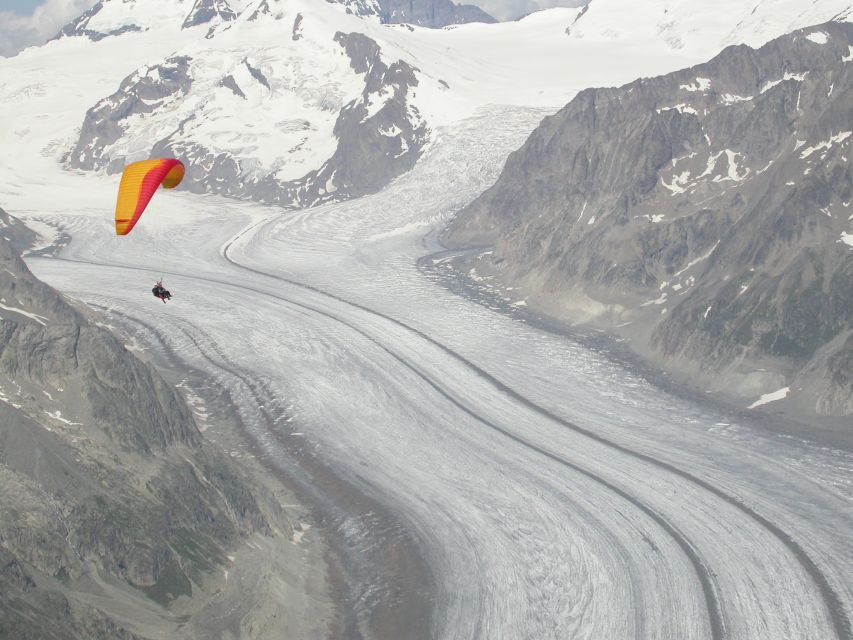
[
  {"x": 296, "y": 34},
  {"x": 112, "y": 507},
  {"x": 257, "y": 74},
  {"x": 706, "y": 208},
  {"x": 430, "y": 13},
  {"x": 364, "y": 8},
  {"x": 361, "y": 50},
  {"x": 373, "y": 148},
  {"x": 205, "y": 11},
  {"x": 16, "y": 233},
  {"x": 141, "y": 92},
  {"x": 263, "y": 8},
  {"x": 229, "y": 82},
  {"x": 79, "y": 26},
  {"x": 130, "y": 404},
  {"x": 426, "y": 13}
]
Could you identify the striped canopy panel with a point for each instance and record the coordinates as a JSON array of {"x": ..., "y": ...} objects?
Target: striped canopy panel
[{"x": 138, "y": 183}]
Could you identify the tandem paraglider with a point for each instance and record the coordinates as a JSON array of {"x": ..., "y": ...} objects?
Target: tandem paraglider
[
  {"x": 138, "y": 183},
  {"x": 161, "y": 292}
]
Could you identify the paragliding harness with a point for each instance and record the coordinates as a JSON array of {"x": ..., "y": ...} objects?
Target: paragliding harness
[{"x": 161, "y": 292}]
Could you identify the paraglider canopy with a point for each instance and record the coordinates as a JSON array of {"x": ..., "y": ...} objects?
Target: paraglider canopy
[{"x": 138, "y": 183}]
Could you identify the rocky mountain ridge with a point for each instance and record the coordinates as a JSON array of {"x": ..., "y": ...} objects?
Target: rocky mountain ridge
[
  {"x": 430, "y": 13},
  {"x": 704, "y": 214},
  {"x": 426, "y": 13},
  {"x": 117, "y": 519}
]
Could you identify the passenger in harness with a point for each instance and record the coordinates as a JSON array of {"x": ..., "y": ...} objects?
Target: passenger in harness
[{"x": 161, "y": 292}]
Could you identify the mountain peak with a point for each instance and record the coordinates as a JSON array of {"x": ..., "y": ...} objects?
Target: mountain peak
[
  {"x": 205, "y": 11},
  {"x": 81, "y": 27}
]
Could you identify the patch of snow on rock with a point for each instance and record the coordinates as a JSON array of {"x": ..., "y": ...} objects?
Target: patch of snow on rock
[
  {"x": 770, "y": 397},
  {"x": 838, "y": 138},
  {"x": 818, "y": 37},
  {"x": 701, "y": 84}
]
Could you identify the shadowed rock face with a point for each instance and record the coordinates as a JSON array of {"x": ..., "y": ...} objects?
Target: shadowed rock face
[
  {"x": 205, "y": 11},
  {"x": 104, "y": 477},
  {"x": 79, "y": 26},
  {"x": 709, "y": 208},
  {"x": 425, "y": 13},
  {"x": 55, "y": 346},
  {"x": 140, "y": 93},
  {"x": 430, "y": 13},
  {"x": 373, "y": 149},
  {"x": 202, "y": 12}
]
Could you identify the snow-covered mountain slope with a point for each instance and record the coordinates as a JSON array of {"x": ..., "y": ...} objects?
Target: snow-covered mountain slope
[
  {"x": 258, "y": 121},
  {"x": 271, "y": 100}
]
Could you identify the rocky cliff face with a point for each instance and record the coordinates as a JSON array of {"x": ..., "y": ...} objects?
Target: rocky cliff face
[
  {"x": 375, "y": 145},
  {"x": 112, "y": 507},
  {"x": 705, "y": 214},
  {"x": 430, "y": 13},
  {"x": 79, "y": 27},
  {"x": 207, "y": 12}
]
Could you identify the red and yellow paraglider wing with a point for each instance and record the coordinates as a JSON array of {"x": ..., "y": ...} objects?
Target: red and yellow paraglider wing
[{"x": 138, "y": 183}]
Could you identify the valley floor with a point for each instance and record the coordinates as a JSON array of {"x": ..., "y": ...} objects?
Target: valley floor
[{"x": 503, "y": 481}]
